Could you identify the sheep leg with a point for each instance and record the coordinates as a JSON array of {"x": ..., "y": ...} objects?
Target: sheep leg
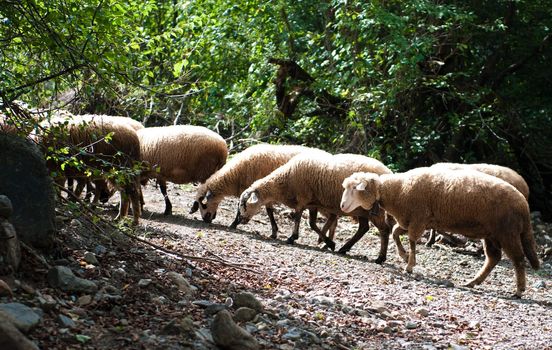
[
  {"x": 321, "y": 233},
  {"x": 363, "y": 226},
  {"x": 329, "y": 226},
  {"x": 123, "y": 205},
  {"x": 414, "y": 235},
  {"x": 273, "y": 224},
  {"x": 297, "y": 220},
  {"x": 493, "y": 254},
  {"x": 384, "y": 230},
  {"x": 80, "y": 187},
  {"x": 432, "y": 237},
  {"x": 236, "y": 221},
  {"x": 514, "y": 251},
  {"x": 397, "y": 232},
  {"x": 168, "y": 205},
  {"x": 135, "y": 194}
]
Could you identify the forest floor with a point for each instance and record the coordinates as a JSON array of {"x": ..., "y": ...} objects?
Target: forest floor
[{"x": 312, "y": 298}]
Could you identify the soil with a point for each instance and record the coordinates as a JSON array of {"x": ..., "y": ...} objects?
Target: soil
[{"x": 313, "y": 298}]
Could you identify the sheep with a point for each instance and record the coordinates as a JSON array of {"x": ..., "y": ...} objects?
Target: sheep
[
  {"x": 181, "y": 154},
  {"x": 502, "y": 172},
  {"x": 101, "y": 190},
  {"x": 122, "y": 150},
  {"x": 313, "y": 180},
  {"x": 239, "y": 173},
  {"x": 468, "y": 202}
]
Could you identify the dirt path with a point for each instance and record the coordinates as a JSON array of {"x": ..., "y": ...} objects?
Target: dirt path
[
  {"x": 351, "y": 302},
  {"x": 313, "y": 299}
]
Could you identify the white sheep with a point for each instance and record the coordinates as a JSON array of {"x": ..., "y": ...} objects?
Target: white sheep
[
  {"x": 502, "y": 172},
  {"x": 239, "y": 173},
  {"x": 470, "y": 203},
  {"x": 313, "y": 180},
  {"x": 181, "y": 154}
]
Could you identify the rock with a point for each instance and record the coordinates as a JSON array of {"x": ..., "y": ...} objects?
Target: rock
[
  {"x": 474, "y": 324},
  {"x": 540, "y": 284},
  {"x": 62, "y": 277},
  {"x": 174, "y": 327},
  {"x": 47, "y": 302},
  {"x": 26, "y": 180},
  {"x": 293, "y": 334},
  {"x": 66, "y": 322},
  {"x": 11, "y": 338},
  {"x": 6, "y": 207},
  {"x": 247, "y": 300},
  {"x": 230, "y": 336},
  {"x": 421, "y": 311},
  {"x": 458, "y": 347},
  {"x": 324, "y": 300},
  {"x": 5, "y": 289},
  {"x": 215, "y": 308},
  {"x": 202, "y": 303},
  {"x": 411, "y": 325},
  {"x": 144, "y": 282},
  {"x": 84, "y": 300},
  {"x": 181, "y": 282},
  {"x": 100, "y": 250},
  {"x": 244, "y": 314},
  {"x": 90, "y": 258},
  {"x": 118, "y": 273},
  {"x": 378, "y": 308},
  {"x": 22, "y": 316}
]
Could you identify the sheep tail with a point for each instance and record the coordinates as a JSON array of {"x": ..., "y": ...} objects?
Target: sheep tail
[{"x": 529, "y": 246}]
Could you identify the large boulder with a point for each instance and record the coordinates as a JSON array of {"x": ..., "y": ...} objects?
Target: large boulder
[{"x": 25, "y": 179}]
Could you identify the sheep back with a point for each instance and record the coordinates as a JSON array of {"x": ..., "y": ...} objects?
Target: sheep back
[
  {"x": 183, "y": 153},
  {"x": 315, "y": 180},
  {"x": 507, "y": 174},
  {"x": 246, "y": 167}
]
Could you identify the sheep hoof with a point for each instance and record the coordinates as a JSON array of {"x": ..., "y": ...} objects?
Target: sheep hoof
[
  {"x": 380, "y": 260},
  {"x": 167, "y": 213},
  {"x": 409, "y": 269},
  {"x": 290, "y": 240},
  {"x": 469, "y": 284},
  {"x": 517, "y": 295},
  {"x": 342, "y": 251},
  {"x": 330, "y": 245},
  {"x": 274, "y": 236}
]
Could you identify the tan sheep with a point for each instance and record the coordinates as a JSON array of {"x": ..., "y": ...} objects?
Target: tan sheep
[
  {"x": 239, "y": 173},
  {"x": 181, "y": 154},
  {"x": 313, "y": 180},
  {"x": 470, "y": 203},
  {"x": 502, "y": 172},
  {"x": 101, "y": 190},
  {"x": 89, "y": 132}
]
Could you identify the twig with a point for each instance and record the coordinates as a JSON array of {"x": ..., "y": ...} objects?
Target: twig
[{"x": 37, "y": 256}]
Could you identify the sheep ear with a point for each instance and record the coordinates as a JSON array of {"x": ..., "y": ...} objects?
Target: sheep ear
[
  {"x": 209, "y": 196},
  {"x": 203, "y": 200},
  {"x": 253, "y": 198},
  {"x": 360, "y": 186},
  {"x": 195, "y": 207}
]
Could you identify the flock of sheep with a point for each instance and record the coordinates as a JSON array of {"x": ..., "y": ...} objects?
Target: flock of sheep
[{"x": 479, "y": 201}]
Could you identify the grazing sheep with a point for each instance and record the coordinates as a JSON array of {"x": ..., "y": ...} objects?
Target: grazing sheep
[
  {"x": 181, "y": 154},
  {"x": 313, "y": 180},
  {"x": 502, "y": 172},
  {"x": 89, "y": 132},
  {"x": 239, "y": 173},
  {"x": 470, "y": 203}
]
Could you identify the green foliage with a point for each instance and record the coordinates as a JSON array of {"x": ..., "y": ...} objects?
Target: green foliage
[{"x": 425, "y": 80}]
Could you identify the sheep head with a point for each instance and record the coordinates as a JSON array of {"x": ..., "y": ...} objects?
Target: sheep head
[
  {"x": 207, "y": 203},
  {"x": 360, "y": 190},
  {"x": 250, "y": 204}
]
